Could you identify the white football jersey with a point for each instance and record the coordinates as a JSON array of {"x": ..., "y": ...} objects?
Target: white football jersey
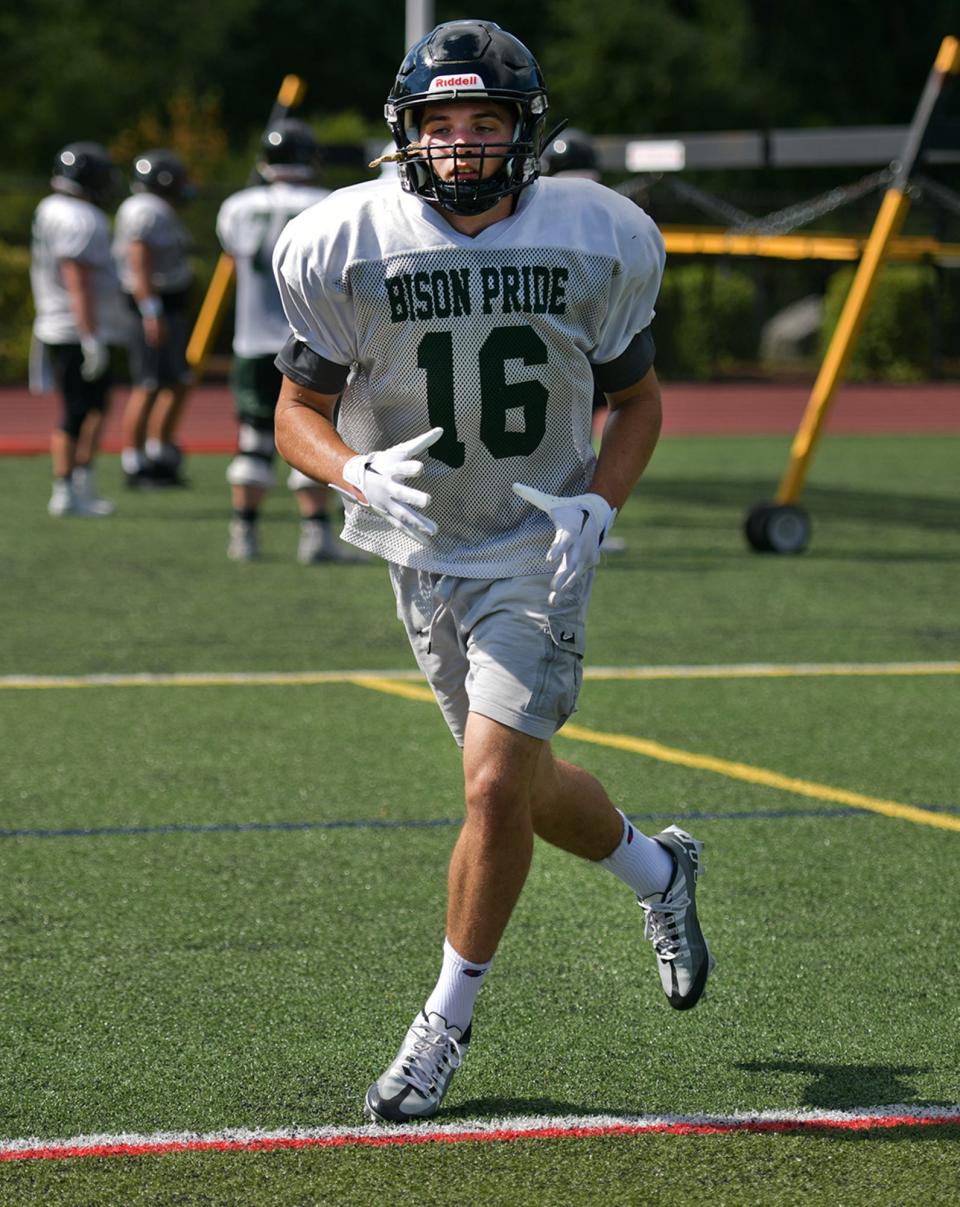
[
  {"x": 491, "y": 338},
  {"x": 248, "y": 226},
  {"x": 69, "y": 228},
  {"x": 147, "y": 218}
]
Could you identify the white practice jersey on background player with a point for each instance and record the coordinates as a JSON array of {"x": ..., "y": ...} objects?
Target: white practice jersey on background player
[
  {"x": 147, "y": 218},
  {"x": 69, "y": 228},
  {"x": 491, "y": 338},
  {"x": 248, "y": 226}
]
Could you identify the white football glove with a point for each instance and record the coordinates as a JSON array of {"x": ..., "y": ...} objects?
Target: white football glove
[
  {"x": 377, "y": 476},
  {"x": 96, "y": 358},
  {"x": 581, "y": 521}
]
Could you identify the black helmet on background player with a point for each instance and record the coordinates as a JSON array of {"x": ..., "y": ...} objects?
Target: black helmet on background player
[
  {"x": 465, "y": 61},
  {"x": 571, "y": 152},
  {"x": 161, "y": 172},
  {"x": 84, "y": 169},
  {"x": 289, "y": 151}
]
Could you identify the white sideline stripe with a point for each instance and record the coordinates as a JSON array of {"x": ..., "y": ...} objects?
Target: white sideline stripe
[
  {"x": 736, "y": 670},
  {"x": 527, "y": 1124}
]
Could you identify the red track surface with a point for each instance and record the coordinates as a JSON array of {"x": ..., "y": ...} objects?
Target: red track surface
[{"x": 729, "y": 409}]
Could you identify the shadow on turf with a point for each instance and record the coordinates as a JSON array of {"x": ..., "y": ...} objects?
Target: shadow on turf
[
  {"x": 909, "y": 510},
  {"x": 849, "y": 1087},
  {"x": 836, "y": 1087}
]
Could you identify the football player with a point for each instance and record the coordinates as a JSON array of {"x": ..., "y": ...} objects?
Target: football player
[
  {"x": 248, "y": 226},
  {"x": 448, "y": 328},
  {"x": 79, "y": 314},
  {"x": 571, "y": 153},
  {"x": 151, "y": 247}
]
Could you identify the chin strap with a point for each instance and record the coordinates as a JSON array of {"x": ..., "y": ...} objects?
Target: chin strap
[{"x": 412, "y": 150}]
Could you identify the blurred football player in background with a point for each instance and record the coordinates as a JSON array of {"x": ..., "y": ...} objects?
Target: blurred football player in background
[
  {"x": 454, "y": 323},
  {"x": 79, "y": 314},
  {"x": 248, "y": 226},
  {"x": 150, "y": 246},
  {"x": 570, "y": 153}
]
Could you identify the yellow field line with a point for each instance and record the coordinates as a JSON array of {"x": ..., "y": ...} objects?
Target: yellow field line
[
  {"x": 759, "y": 775},
  {"x": 392, "y": 687},
  {"x": 772, "y": 670},
  {"x": 748, "y": 670},
  {"x": 707, "y": 762}
]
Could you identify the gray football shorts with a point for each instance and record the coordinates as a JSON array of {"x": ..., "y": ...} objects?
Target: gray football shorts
[
  {"x": 493, "y": 646},
  {"x": 162, "y": 366}
]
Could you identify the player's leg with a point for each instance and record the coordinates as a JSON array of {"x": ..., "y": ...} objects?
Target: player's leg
[
  {"x": 88, "y": 444},
  {"x": 164, "y": 454},
  {"x": 317, "y": 542},
  {"x": 492, "y": 856},
  {"x": 254, "y": 383},
  {"x": 487, "y": 871},
  {"x": 571, "y": 810},
  {"x": 175, "y": 377},
  {"x": 72, "y": 442}
]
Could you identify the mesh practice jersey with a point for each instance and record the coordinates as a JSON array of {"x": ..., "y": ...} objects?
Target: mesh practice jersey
[
  {"x": 147, "y": 218},
  {"x": 69, "y": 228},
  {"x": 491, "y": 338},
  {"x": 248, "y": 226}
]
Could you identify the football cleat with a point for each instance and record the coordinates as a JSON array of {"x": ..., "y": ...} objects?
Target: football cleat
[
  {"x": 672, "y": 925},
  {"x": 86, "y": 497},
  {"x": 65, "y": 500},
  {"x": 243, "y": 541},
  {"x": 414, "y": 1085}
]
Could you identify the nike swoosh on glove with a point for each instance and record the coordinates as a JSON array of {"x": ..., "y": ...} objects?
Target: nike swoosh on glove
[
  {"x": 378, "y": 476},
  {"x": 581, "y": 521}
]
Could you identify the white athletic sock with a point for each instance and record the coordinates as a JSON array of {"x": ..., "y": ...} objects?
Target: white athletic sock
[
  {"x": 640, "y": 862},
  {"x": 132, "y": 460},
  {"x": 456, "y": 991}
]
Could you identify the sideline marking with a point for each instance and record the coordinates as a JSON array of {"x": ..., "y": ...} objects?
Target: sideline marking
[
  {"x": 706, "y": 762},
  {"x": 571, "y": 1127},
  {"x": 429, "y": 823},
  {"x": 745, "y": 670},
  {"x": 759, "y": 775}
]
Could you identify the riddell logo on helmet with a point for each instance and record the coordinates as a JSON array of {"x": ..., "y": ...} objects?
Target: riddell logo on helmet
[{"x": 441, "y": 83}]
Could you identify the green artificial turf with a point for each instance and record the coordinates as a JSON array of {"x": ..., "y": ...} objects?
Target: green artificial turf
[{"x": 227, "y": 901}]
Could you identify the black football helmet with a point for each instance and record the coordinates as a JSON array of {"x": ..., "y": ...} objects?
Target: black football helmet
[
  {"x": 289, "y": 151},
  {"x": 160, "y": 172},
  {"x": 84, "y": 169},
  {"x": 463, "y": 61},
  {"x": 570, "y": 151}
]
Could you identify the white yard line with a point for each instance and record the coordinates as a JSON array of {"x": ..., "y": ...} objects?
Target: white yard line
[{"x": 574, "y": 1127}]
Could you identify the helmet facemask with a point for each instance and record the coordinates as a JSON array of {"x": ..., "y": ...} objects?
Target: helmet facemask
[
  {"x": 468, "y": 61},
  {"x": 423, "y": 169}
]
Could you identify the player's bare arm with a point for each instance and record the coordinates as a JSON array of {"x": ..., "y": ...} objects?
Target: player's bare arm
[
  {"x": 629, "y": 437},
  {"x": 140, "y": 260},
  {"x": 306, "y": 436}
]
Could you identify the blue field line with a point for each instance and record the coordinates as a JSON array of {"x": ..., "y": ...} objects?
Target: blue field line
[{"x": 374, "y": 823}]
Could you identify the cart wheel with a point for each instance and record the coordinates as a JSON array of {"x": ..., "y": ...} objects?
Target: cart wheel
[{"x": 772, "y": 528}]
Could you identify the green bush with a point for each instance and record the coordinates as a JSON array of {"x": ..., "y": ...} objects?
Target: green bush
[
  {"x": 896, "y": 341},
  {"x": 706, "y": 322},
  {"x": 16, "y": 313}
]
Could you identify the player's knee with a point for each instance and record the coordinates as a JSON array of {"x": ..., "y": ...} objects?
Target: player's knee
[
  {"x": 494, "y": 799},
  {"x": 299, "y": 481},
  {"x": 249, "y": 470},
  {"x": 74, "y": 414}
]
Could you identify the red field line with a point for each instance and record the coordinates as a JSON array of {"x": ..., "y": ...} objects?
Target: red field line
[
  {"x": 503, "y": 1131},
  {"x": 748, "y": 408}
]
